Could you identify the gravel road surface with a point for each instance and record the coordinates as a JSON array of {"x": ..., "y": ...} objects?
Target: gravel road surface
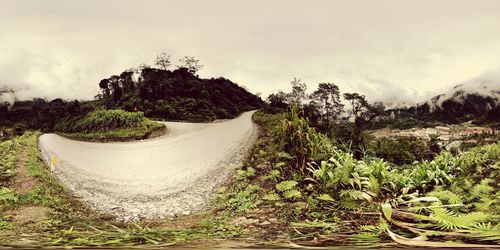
[{"x": 165, "y": 176}]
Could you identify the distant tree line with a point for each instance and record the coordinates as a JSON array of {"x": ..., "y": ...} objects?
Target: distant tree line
[{"x": 41, "y": 114}]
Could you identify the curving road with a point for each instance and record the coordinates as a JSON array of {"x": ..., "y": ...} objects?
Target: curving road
[{"x": 169, "y": 175}]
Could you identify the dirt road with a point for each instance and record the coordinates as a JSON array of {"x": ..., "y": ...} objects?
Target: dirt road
[{"x": 173, "y": 174}]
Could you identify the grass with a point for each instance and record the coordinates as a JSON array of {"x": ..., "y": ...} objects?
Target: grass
[
  {"x": 147, "y": 129},
  {"x": 68, "y": 223},
  {"x": 110, "y": 125},
  {"x": 302, "y": 177},
  {"x": 317, "y": 195}
]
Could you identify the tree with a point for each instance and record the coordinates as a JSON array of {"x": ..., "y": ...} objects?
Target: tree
[
  {"x": 104, "y": 85},
  {"x": 116, "y": 88},
  {"x": 327, "y": 99},
  {"x": 163, "y": 60},
  {"x": 127, "y": 81},
  {"x": 298, "y": 94},
  {"x": 191, "y": 63},
  {"x": 278, "y": 100},
  {"x": 363, "y": 113}
]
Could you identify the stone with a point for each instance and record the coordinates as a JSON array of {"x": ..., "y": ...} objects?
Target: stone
[{"x": 265, "y": 223}]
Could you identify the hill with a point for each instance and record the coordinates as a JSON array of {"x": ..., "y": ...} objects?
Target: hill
[
  {"x": 476, "y": 101},
  {"x": 176, "y": 95},
  {"x": 161, "y": 94}
]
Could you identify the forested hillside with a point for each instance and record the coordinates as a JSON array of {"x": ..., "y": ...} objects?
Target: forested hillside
[
  {"x": 176, "y": 95},
  {"x": 159, "y": 93},
  {"x": 477, "y": 102}
]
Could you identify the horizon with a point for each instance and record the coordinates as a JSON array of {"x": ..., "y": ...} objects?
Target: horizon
[{"x": 402, "y": 52}]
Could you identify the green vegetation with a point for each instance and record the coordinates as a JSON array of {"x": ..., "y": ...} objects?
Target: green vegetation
[
  {"x": 312, "y": 177},
  {"x": 403, "y": 150},
  {"x": 331, "y": 197},
  {"x": 176, "y": 95},
  {"x": 45, "y": 215},
  {"x": 296, "y": 185},
  {"x": 159, "y": 93},
  {"x": 106, "y": 125}
]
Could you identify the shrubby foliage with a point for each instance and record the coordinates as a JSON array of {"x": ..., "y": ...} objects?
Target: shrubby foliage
[
  {"x": 403, "y": 150},
  {"x": 102, "y": 120},
  {"x": 324, "y": 110},
  {"x": 41, "y": 114},
  {"x": 176, "y": 95},
  {"x": 448, "y": 196}
]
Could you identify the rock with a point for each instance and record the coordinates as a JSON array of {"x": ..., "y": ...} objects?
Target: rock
[
  {"x": 265, "y": 223},
  {"x": 273, "y": 220},
  {"x": 243, "y": 221},
  {"x": 299, "y": 204},
  {"x": 261, "y": 166},
  {"x": 186, "y": 213}
]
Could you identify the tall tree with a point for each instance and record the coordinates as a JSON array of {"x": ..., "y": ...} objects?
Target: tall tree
[
  {"x": 327, "y": 98},
  {"x": 104, "y": 85},
  {"x": 191, "y": 63},
  {"x": 278, "y": 100},
  {"x": 127, "y": 81},
  {"x": 298, "y": 94},
  {"x": 363, "y": 113},
  {"x": 116, "y": 88},
  {"x": 163, "y": 60}
]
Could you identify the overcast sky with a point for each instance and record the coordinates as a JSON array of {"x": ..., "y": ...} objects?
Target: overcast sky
[{"x": 388, "y": 50}]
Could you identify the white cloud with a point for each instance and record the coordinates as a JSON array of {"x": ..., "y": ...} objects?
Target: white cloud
[{"x": 387, "y": 50}]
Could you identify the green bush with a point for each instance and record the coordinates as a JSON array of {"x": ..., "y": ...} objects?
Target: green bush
[
  {"x": 403, "y": 150},
  {"x": 102, "y": 120}
]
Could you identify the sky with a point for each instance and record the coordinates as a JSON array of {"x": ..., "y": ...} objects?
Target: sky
[{"x": 389, "y": 50}]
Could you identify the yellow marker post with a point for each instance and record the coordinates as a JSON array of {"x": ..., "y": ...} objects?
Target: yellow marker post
[{"x": 53, "y": 163}]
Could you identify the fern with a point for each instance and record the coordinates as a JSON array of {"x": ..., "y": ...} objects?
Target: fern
[
  {"x": 292, "y": 194},
  {"x": 273, "y": 175},
  {"x": 448, "y": 196},
  {"x": 448, "y": 220},
  {"x": 286, "y": 185},
  {"x": 483, "y": 189},
  {"x": 325, "y": 197},
  {"x": 355, "y": 195},
  {"x": 7, "y": 195},
  {"x": 271, "y": 197}
]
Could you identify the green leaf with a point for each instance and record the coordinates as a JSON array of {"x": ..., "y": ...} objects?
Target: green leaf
[
  {"x": 292, "y": 194},
  {"x": 387, "y": 210},
  {"x": 286, "y": 185},
  {"x": 271, "y": 197},
  {"x": 325, "y": 197}
]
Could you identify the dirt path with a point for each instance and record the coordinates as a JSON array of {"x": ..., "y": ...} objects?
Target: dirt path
[
  {"x": 170, "y": 175},
  {"x": 24, "y": 183}
]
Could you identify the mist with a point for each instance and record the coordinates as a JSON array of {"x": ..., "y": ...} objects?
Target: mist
[{"x": 389, "y": 50}]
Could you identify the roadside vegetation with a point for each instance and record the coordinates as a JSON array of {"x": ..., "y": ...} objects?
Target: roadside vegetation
[
  {"x": 160, "y": 92},
  {"x": 37, "y": 211},
  {"x": 110, "y": 125},
  {"x": 315, "y": 177},
  {"x": 324, "y": 195}
]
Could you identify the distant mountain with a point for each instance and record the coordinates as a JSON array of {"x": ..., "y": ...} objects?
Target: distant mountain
[{"x": 477, "y": 101}]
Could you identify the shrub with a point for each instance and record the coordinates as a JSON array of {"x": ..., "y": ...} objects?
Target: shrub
[
  {"x": 402, "y": 150},
  {"x": 102, "y": 120}
]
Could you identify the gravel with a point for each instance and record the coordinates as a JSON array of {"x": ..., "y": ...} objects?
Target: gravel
[{"x": 158, "y": 178}]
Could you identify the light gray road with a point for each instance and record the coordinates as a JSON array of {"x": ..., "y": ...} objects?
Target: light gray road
[{"x": 154, "y": 178}]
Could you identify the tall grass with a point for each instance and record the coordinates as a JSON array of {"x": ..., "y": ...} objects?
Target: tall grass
[
  {"x": 438, "y": 196},
  {"x": 102, "y": 120}
]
